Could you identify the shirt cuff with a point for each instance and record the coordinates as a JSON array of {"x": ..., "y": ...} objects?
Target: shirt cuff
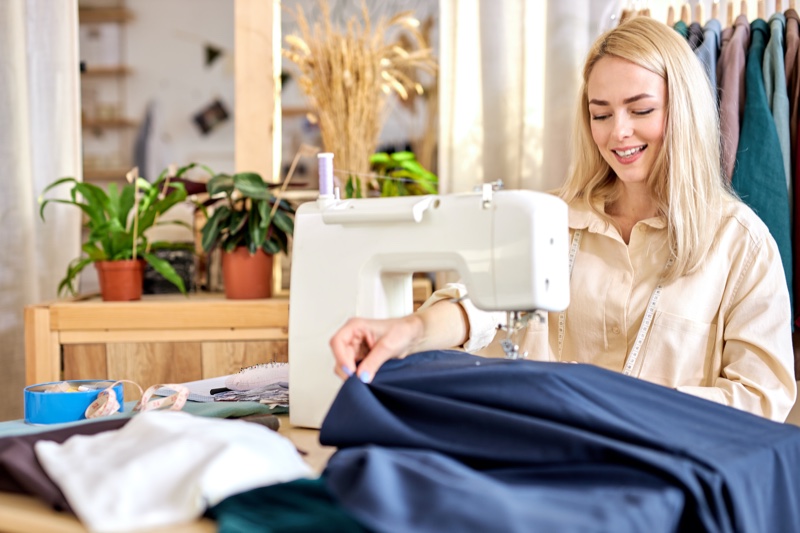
[{"x": 482, "y": 324}]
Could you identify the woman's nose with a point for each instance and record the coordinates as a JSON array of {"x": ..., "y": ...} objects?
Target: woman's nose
[{"x": 622, "y": 128}]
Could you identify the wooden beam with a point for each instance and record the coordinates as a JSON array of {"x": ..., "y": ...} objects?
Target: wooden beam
[
  {"x": 257, "y": 87},
  {"x": 42, "y": 350}
]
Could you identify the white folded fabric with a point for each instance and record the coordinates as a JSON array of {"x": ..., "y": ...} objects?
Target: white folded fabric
[
  {"x": 165, "y": 467},
  {"x": 258, "y": 376}
]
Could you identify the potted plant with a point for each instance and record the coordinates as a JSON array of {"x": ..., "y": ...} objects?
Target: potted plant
[
  {"x": 249, "y": 225},
  {"x": 400, "y": 174},
  {"x": 116, "y": 222}
]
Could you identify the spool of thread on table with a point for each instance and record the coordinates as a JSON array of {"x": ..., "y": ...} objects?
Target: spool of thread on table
[{"x": 325, "y": 160}]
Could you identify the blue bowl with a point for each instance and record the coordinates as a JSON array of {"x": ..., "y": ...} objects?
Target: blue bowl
[{"x": 58, "y": 407}]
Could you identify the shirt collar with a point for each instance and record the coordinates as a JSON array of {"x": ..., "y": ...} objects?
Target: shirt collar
[{"x": 582, "y": 217}]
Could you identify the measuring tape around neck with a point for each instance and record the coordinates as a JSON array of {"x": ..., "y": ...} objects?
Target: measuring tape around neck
[{"x": 649, "y": 314}]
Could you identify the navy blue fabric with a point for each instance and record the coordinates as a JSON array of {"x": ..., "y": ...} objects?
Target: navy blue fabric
[{"x": 450, "y": 436}]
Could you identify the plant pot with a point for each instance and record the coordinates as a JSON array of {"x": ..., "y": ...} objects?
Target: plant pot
[
  {"x": 182, "y": 260},
  {"x": 245, "y": 276},
  {"x": 120, "y": 281}
]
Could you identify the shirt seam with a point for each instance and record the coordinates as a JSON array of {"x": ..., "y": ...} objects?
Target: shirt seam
[{"x": 750, "y": 259}]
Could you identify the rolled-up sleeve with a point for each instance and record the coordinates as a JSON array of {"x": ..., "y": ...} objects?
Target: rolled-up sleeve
[{"x": 482, "y": 324}]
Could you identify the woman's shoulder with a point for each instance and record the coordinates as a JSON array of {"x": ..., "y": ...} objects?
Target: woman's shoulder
[
  {"x": 742, "y": 229},
  {"x": 738, "y": 217}
]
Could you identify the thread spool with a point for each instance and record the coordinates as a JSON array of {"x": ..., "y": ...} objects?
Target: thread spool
[{"x": 325, "y": 160}]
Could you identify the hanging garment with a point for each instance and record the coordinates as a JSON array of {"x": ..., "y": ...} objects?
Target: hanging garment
[
  {"x": 759, "y": 176},
  {"x": 775, "y": 87},
  {"x": 708, "y": 51},
  {"x": 682, "y": 28},
  {"x": 792, "y": 69},
  {"x": 695, "y": 37},
  {"x": 449, "y": 425},
  {"x": 730, "y": 78}
]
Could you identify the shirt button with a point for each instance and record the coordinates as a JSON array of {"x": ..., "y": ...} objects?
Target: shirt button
[{"x": 615, "y": 330}]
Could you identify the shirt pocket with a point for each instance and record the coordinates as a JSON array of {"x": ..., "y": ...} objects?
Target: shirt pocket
[{"x": 678, "y": 351}]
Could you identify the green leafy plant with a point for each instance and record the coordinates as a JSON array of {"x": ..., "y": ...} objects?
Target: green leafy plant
[
  {"x": 398, "y": 174},
  {"x": 246, "y": 213},
  {"x": 117, "y": 220}
]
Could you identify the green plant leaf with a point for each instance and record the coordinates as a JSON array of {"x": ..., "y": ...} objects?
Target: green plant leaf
[
  {"x": 283, "y": 222},
  {"x": 94, "y": 252},
  {"x": 221, "y": 183},
  {"x": 256, "y": 232},
  {"x": 271, "y": 247},
  {"x": 149, "y": 212},
  {"x": 76, "y": 266},
  {"x": 380, "y": 158},
  {"x": 403, "y": 156},
  {"x": 211, "y": 231},
  {"x": 163, "y": 267},
  {"x": 251, "y": 185},
  {"x": 412, "y": 166}
]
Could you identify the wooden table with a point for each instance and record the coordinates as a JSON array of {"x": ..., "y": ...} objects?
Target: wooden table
[
  {"x": 159, "y": 339},
  {"x": 24, "y": 514}
]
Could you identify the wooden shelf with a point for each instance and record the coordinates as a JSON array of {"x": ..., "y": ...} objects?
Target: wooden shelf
[
  {"x": 96, "y": 15},
  {"x": 289, "y": 112},
  {"x": 108, "y": 123},
  {"x": 105, "y": 174},
  {"x": 102, "y": 72}
]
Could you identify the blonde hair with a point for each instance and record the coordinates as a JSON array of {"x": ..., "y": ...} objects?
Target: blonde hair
[{"x": 686, "y": 178}]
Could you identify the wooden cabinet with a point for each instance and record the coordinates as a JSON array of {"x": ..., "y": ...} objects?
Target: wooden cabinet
[{"x": 159, "y": 339}]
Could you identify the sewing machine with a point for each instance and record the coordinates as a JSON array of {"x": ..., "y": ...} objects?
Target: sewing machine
[{"x": 356, "y": 257}]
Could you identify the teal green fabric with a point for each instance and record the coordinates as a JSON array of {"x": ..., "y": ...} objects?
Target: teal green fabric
[
  {"x": 301, "y": 505},
  {"x": 759, "y": 176},
  {"x": 682, "y": 28},
  {"x": 777, "y": 94},
  {"x": 210, "y": 409}
]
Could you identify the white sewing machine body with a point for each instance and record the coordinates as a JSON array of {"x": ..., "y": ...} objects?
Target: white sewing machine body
[{"x": 356, "y": 258}]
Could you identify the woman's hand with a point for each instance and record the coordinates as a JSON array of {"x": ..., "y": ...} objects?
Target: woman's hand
[{"x": 363, "y": 345}]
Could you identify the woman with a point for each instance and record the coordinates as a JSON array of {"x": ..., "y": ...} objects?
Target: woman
[{"x": 674, "y": 280}]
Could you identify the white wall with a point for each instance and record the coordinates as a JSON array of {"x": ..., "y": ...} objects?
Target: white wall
[{"x": 164, "y": 46}]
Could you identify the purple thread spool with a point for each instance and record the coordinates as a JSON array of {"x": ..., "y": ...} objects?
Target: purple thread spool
[{"x": 325, "y": 160}]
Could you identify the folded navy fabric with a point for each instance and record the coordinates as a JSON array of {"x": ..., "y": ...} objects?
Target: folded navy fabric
[{"x": 446, "y": 436}]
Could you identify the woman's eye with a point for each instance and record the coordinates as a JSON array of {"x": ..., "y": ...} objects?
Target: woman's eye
[
  {"x": 599, "y": 117},
  {"x": 643, "y": 112}
]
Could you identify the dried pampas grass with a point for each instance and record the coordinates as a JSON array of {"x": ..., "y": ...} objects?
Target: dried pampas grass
[{"x": 348, "y": 73}]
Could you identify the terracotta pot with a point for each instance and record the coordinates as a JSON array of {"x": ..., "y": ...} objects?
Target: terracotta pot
[
  {"x": 245, "y": 276},
  {"x": 120, "y": 281}
]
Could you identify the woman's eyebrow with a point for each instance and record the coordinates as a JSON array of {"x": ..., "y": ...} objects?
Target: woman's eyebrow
[{"x": 628, "y": 100}]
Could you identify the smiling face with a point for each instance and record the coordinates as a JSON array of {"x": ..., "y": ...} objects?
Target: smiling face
[{"x": 628, "y": 110}]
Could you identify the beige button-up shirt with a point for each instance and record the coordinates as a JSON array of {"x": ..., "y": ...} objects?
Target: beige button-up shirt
[{"x": 722, "y": 333}]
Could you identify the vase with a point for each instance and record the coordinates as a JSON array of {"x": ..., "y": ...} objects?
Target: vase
[
  {"x": 120, "y": 281},
  {"x": 245, "y": 276}
]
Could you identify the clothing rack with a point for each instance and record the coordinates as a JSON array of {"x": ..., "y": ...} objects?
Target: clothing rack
[{"x": 755, "y": 161}]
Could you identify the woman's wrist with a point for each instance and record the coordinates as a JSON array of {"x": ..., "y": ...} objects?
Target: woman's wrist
[{"x": 416, "y": 328}]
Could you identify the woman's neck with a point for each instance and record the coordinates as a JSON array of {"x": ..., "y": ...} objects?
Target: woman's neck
[{"x": 633, "y": 205}]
